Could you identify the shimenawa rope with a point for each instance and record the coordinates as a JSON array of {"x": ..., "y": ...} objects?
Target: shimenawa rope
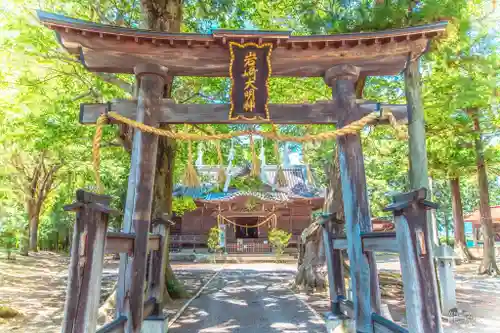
[{"x": 351, "y": 128}]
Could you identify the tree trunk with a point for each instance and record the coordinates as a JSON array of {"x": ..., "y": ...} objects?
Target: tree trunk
[
  {"x": 488, "y": 265},
  {"x": 461, "y": 249},
  {"x": 312, "y": 271},
  {"x": 166, "y": 16},
  {"x": 24, "y": 241},
  {"x": 162, "y": 205},
  {"x": 162, "y": 15},
  {"x": 34, "y": 218}
]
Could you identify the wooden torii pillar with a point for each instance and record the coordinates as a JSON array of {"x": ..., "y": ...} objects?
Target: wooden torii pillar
[
  {"x": 363, "y": 268},
  {"x": 131, "y": 282},
  {"x": 417, "y": 265}
]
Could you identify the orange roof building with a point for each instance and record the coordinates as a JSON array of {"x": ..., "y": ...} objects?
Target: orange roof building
[{"x": 475, "y": 217}]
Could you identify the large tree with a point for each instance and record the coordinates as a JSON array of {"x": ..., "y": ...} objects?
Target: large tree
[
  {"x": 488, "y": 264},
  {"x": 35, "y": 176}
]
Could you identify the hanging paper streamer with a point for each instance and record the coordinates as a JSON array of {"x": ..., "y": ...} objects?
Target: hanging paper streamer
[
  {"x": 191, "y": 178},
  {"x": 262, "y": 154},
  {"x": 221, "y": 174},
  {"x": 229, "y": 167},
  {"x": 255, "y": 161},
  {"x": 280, "y": 179},
  {"x": 309, "y": 175},
  {"x": 199, "y": 159}
]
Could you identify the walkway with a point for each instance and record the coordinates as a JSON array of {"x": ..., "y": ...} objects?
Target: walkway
[{"x": 249, "y": 298}]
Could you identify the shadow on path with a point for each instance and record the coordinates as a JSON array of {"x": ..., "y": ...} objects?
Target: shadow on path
[{"x": 248, "y": 300}]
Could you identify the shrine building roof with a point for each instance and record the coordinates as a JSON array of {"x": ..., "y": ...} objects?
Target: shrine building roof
[{"x": 105, "y": 48}]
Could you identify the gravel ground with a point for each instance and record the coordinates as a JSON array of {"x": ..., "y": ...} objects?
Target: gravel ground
[
  {"x": 249, "y": 298},
  {"x": 36, "y": 287},
  {"x": 244, "y": 298}
]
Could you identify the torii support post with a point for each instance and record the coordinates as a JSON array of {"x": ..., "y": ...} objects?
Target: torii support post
[
  {"x": 87, "y": 255},
  {"x": 334, "y": 263},
  {"x": 418, "y": 173},
  {"x": 417, "y": 266},
  {"x": 363, "y": 269},
  {"x": 130, "y": 294}
]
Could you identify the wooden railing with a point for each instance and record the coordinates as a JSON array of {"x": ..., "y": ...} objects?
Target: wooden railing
[
  {"x": 383, "y": 325},
  {"x": 372, "y": 241},
  {"x": 90, "y": 242},
  {"x": 411, "y": 242},
  {"x": 254, "y": 247},
  {"x": 116, "y": 326}
]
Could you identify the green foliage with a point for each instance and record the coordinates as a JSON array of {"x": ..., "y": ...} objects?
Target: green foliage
[
  {"x": 175, "y": 290},
  {"x": 279, "y": 239},
  {"x": 247, "y": 183},
  {"x": 181, "y": 205},
  {"x": 213, "y": 239},
  {"x": 450, "y": 242},
  {"x": 12, "y": 227}
]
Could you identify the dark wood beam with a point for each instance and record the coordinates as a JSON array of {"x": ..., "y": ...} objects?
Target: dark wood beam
[
  {"x": 232, "y": 214},
  {"x": 115, "y": 326},
  {"x": 117, "y": 50},
  {"x": 118, "y": 242},
  {"x": 170, "y": 112},
  {"x": 383, "y": 325},
  {"x": 372, "y": 241}
]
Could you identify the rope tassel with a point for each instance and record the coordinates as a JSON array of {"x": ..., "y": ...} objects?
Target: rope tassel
[
  {"x": 309, "y": 175},
  {"x": 191, "y": 178},
  {"x": 280, "y": 178},
  {"x": 255, "y": 161},
  {"x": 221, "y": 173},
  {"x": 96, "y": 151}
]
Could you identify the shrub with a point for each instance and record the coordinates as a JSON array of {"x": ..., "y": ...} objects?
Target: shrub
[
  {"x": 279, "y": 241},
  {"x": 182, "y": 205},
  {"x": 213, "y": 242},
  {"x": 7, "y": 312},
  {"x": 451, "y": 241}
]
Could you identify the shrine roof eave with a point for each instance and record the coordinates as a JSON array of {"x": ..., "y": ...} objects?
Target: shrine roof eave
[
  {"x": 105, "y": 48},
  {"x": 291, "y": 200}
]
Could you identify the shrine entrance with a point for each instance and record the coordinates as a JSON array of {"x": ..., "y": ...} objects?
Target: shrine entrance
[
  {"x": 249, "y": 58},
  {"x": 247, "y": 232}
]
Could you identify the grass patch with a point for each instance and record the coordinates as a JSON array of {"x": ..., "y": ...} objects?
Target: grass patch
[{"x": 7, "y": 312}]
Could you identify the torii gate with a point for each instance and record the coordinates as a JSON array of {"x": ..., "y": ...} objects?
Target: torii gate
[{"x": 154, "y": 56}]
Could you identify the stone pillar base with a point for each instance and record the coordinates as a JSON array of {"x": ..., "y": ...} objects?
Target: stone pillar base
[
  {"x": 338, "y": 325},
  {"x": 155, "y": 324}
]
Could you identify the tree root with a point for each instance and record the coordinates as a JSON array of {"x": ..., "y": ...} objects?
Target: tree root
[
  {"x": 310, "y": 278},
  {"x": 490, "y": 269},
  {"x": 464, "y": 254},
  {"x": 107, "y": 309}
]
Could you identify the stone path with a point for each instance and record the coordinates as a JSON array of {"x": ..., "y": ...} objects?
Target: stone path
[{"x": 249, "y": 298}]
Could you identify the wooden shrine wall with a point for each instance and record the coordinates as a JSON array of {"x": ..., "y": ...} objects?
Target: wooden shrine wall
[{"x": 293, "y": 219}]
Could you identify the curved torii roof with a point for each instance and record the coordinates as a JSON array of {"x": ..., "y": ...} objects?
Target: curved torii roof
[{"x": 105, "y": 48}]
